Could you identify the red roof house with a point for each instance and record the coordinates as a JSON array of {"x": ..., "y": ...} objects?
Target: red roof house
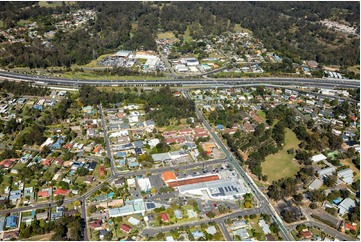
[
  {"x": 47, "y": 162},
  {"x": 58, "y": 161},
  {"x": 44, "y": 193},
  {"x": 68, "y": 146},
  {"x": 7, "y": 163},
  {"x": 126, "y": 228},
  {"x": 305, "y": 234},
  {"x": 101, "y": 170},
  {"x": 8, "y": 235},
  {"x": 164, "y": 217},
  {"x": 96, "y": 224},
  {"x": 60, "y": 191},
  {"x": 350, "y": 227}
]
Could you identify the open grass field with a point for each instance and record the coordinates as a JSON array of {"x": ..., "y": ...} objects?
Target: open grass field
[
  {"x": 238, "y": 28},
  {"x": 43, "y": 237},
  {"x": 187, "y": 36},
  {"x": 168, "y": 35},
  {"x": 355, "y": 69},
  {"x": 23, "y": 22},
  {"x": 90, "y": 76},
  {"x": 92, "y": 63},
  {"x": 134, "y": 25},
  {"x": 281, "y": 164}
]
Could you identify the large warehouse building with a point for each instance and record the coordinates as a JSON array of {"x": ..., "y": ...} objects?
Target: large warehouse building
[{"x": 209, "y": 186}]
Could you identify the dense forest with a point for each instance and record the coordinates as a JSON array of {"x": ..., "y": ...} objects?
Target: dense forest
[{"x": 291, "y": 29}]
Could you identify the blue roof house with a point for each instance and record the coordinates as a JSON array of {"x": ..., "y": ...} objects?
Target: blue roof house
[
  {"x": 11, "y": 222},
  {"x": 220, "y": 126}
]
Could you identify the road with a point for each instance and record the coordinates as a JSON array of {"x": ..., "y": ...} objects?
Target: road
[
  {"x": 225, "y": 233},
  {"x": 325, "y": 228},
  {"x": 166, "y": 62},
  {"x": 107, "y": 143},
  {"x": 221, "y": 82},
  {"x": 150, "y": 232},
  {"x": 266, "y": 207}
]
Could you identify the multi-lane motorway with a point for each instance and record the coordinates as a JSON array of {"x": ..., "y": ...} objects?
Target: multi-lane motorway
[{"x": 320, "y": 82}]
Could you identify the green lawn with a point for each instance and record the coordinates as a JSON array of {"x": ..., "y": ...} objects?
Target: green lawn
[
  {"x": 262, "y": 115},
  {"x": 168, "y": 35},
  {"x": 92, "y": 63},
  {"x": 23, "y": 22},
  {"x": 238, "y": 28},
  {"x": 187, "y": 36},
  {"x": 281, "y": 164}
]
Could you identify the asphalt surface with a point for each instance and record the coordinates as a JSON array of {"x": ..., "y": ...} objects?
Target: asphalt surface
[
  {"x": 107, "y": 143},
  {"x": 326, "y": 82},
  {"x": 325, "y": 228},
  {"x": 150, "y": 232},
  {"x": 225, "y": 233}
]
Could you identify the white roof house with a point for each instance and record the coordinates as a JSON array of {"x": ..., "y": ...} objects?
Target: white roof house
[
  {"x": 211, "y": 230},
  {"x": 326, "y": 172},
  {"x": 318, "y": 158},
  {"x": 153, "y": 142},
  {"x": 131, "y": 182},
  {"x": 144, "y": 184},
  {"x": 169, "y": 238},
  {"x": 346, "y": 205},
  {"x": 133, "y": 221},
  {"x": 346, "y": 175},
  {"x": 316, "y": 184},
  {"x": 264, "y": 226}
]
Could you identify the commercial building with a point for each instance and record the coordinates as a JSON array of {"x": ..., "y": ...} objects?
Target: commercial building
[
  {"x": 123, "y": 53},
  {"x": 218, "y": 189},
  {"x": 193, "y": 180}
]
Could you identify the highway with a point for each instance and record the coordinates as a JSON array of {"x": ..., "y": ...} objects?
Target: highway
[
  {"x": 266, "y": 207},
  {"x": 219, "y": 82}
]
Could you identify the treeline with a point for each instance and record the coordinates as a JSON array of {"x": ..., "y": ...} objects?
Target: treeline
[
  {"x": 123, "y": 71},
  {"x": 282, "y": 27},
  {"x": 23, "y": 88},
  {"x": 66, "y": 228},
  {"x": 161, "y": 106}
]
